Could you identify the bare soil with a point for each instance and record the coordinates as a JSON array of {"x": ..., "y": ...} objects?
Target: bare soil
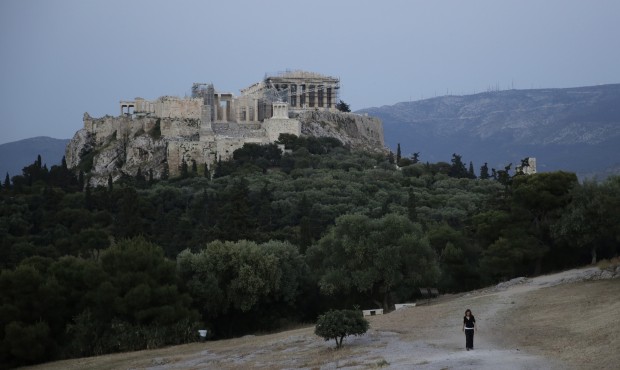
[{"x": 556, "y": 321}]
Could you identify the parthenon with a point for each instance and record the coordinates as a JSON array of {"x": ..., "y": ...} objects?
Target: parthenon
[{"x": 300, "y": 90}]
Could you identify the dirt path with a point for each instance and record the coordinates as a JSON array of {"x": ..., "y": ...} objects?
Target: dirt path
[{"x": 521, "y": 324}]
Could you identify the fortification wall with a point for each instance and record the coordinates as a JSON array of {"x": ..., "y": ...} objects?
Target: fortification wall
[
  {"x": 274, "y": 127},
  {"x": 171, "y": 107},
  {"x": 200, "y": 151},
  {"x": 180, "y": 128}
]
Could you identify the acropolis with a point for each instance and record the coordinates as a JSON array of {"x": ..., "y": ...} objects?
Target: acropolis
[{"x": 210, "y": 125}]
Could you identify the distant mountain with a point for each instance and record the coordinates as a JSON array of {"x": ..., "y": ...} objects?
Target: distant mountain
[
  {"x": 575, "y": 129},
  {"x": 16, "y": 155}
]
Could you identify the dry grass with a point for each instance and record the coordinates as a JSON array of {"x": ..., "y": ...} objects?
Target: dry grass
[{"x": 577, "y": 323}]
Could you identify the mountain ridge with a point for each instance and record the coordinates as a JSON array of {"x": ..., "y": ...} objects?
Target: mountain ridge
[
  {"x": 499, "y": 127},
  {"x": 16, "y": 155}
]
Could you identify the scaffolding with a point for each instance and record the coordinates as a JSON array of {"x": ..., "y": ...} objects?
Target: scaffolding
[
  {"x": 207, "y": 93},
  {"x": 300, "y": 89}
]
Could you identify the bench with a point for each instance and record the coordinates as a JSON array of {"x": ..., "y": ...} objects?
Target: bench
[
  {"x": 429, "y": 293},
  {"x": 398, "y": 306}
]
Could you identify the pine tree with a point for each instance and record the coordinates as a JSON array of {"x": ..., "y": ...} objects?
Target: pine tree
[
  {"x": 484, "y": 171},
  {"x": 38, "y": 162},
  {"x": 457, "y": 169},
  {"x": 398, "y": 154}
]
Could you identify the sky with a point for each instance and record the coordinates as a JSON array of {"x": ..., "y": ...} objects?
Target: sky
[{"x": 61, "y": 58}]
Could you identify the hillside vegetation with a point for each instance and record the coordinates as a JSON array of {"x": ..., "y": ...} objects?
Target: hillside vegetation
[{"x": 270, "y": 240}]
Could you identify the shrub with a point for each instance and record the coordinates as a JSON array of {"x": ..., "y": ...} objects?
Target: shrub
[{"x": 337, "y": 324}]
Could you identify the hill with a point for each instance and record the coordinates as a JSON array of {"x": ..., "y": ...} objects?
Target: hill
[
  {"x": 17, "y": 154},
  {"x": 574, "y": 129},
  {"x": 430, "y": 337}
]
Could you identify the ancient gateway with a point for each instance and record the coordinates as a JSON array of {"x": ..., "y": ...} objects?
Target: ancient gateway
[{"x": 159, "y": 135}]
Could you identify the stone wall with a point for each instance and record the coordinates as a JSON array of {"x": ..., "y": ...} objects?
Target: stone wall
[
  {"x": 172, "y": 107},
  {"x": 180, "y": 128},
  {"x": 274, "y": 127}
]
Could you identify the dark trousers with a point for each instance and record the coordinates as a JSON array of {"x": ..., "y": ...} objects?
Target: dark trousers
[{"x": 469, "y": 338}]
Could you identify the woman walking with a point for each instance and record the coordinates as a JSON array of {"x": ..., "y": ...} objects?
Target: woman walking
[{"x": 469, "y": 326}]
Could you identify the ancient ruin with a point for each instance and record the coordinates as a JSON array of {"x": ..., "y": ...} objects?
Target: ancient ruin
[{"x": 209, "y": 125}]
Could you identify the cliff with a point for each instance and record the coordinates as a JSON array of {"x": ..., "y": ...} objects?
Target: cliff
[
  {"x": 117, "y": 146},
  {"x": 355, "y": 130}
]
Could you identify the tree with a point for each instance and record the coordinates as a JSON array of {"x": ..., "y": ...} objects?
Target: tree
[
  {"x": 470, "y": 173},
  {"x": 411, "y": 203},
  {"x": 110, "y": 183},
  {"x": 590, "y": 222},
  {"x": 194, "y": 167},
  {"x": 415, "y": 157},
  {"x": 484, "y": 171},
  {"x": 337, "y": 324},
  {"x": 376, "y": 257},
  {"x": 239, "y": 284},
  {"x": 7, "y": 182},
  {"x": 398, "y": 154},
  {"x": 184, "y": 169},
  {"x": 342, "y": 106},
  {"x": 457, "y": 168}
]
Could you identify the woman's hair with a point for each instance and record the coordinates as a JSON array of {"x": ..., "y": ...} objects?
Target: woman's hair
[{"x": 468, "y": 310}]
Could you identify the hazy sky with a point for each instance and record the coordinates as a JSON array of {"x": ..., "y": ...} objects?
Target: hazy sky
[{"x": 61, "y": 58}]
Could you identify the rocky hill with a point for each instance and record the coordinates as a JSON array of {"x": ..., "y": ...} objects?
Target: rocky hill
[
  {"x": 123, "y": 145},
  {"x": 575, "y": 129},
  {"x": 18, "y": 154}
]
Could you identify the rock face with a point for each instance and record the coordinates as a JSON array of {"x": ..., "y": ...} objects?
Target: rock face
[
  {"x": 576, "y": 129},
  {"x": 117, "y": 146},
  {"x": 355, "y": 130}
]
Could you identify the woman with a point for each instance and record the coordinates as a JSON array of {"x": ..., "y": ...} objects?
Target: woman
[{"x": 469, "y": 326}]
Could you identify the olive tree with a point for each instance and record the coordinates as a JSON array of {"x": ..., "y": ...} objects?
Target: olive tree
[{"x": 337, "y": 324}]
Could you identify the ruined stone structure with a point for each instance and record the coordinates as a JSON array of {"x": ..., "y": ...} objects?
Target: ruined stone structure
[
  {"x": 210, "y": 125},
  {"x": 528, "y": 166}
]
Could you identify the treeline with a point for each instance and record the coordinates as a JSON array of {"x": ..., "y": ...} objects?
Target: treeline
[{"x": 268, "y": 240}]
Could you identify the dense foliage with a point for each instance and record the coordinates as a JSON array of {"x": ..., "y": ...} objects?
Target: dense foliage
[
  {"x": 268, "y": 240},
  {"x": 338, "y": 324}
]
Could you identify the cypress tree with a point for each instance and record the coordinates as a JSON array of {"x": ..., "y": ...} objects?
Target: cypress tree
[
  {"x": 110, "y": 183},
  {"x": 7, "y": 182},
  {"x": 411, "y": 212},
  {"x": 398, "y": 154},
  {"x": 470, "y": 172},
  {"x": 184, "y": 169},
  {"x": 194, "y": 167}
]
